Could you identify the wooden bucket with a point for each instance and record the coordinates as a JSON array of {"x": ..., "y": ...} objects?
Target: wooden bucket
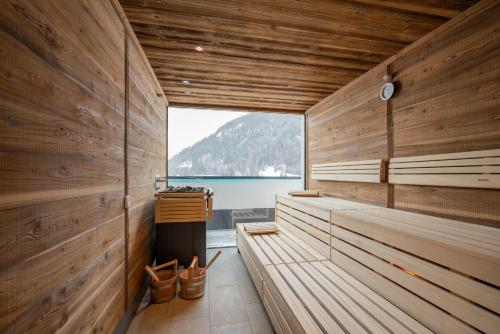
[
  {"x": 163, "y": 282},
  {"x": 193, "y": 281}
]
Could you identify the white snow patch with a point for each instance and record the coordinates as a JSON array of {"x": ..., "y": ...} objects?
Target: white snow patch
[
  {"x": 269, "y": 171},
  {"x": 186, "y": 164}
]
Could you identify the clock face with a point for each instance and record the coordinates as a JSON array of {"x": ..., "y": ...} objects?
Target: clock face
[{"x": 387, "y": 91}]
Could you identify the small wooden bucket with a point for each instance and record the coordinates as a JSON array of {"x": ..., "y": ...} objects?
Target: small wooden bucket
[
  {"x": 193, "y": 281},
  {"x": 163, "y": 282}
]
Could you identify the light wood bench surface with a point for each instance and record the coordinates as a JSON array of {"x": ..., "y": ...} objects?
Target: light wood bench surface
[{"x": 387, "y": 270}]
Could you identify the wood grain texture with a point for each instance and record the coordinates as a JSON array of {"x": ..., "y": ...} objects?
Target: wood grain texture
[
  {"x": 146, "y": 157},
  {"x": 349, "y": 125},
  {"x": 62, "y": 140},
  {"x": 447, "y": 102},
  {"x": 61, "y": 152},
  {"x": 372, "y": 171},
  {"x": 284, "y": 55}
]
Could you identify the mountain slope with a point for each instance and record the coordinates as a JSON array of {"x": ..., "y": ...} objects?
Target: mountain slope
[{"x": 255, "y": 144}]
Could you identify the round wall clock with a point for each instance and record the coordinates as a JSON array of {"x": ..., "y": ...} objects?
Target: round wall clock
[{"x": 387, "y": 91}]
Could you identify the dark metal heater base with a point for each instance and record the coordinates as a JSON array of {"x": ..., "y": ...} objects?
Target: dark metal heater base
[{"x": 181, "y": 241}]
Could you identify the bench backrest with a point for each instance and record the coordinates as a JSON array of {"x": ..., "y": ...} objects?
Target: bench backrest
[
  {"x": 444, "y": 273},
  {"x": 372, "y": 171},
  {"x": 476, "y": 169}
]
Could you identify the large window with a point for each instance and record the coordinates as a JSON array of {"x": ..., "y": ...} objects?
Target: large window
[
  {"x": 215, "y": 143},
  {"x": 246, "y": 158}
]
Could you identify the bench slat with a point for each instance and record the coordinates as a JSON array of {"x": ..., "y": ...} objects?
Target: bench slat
[
  {"x": 271, "y": 312},
  {"x": 315, "y": 309},
  {"x": 468, "y": 288},
  {"x": 252, "y": 270},
  {"x": 430, "y": 316},
  {"x": 308, "y": 242},
  {"x": 333, "y": 307},
  {"x": 283, "y": 255},
  {"x": 280, "y": 319},
  {"x": 298, "y": 318},
  {"x": 429, "y": 224},
  {"x": 353, "y": 293},
  {"x": 460, "y": 308},
  {"x": 323, "y": 225},
  {"x": 271, "y": 254},
  {"x": 468, "y": 259},
  {"x": 307, "y": 252},
  {"x": 302, "y": 204},
  {"x": 309, "y": 229},
  {"x": 287, "y": 248}
]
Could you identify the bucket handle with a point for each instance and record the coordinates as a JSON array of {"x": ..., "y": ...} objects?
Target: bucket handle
[
  {"x": 152, "y": 274},
  {"x": 203, "y": 270},
  {"x": 192, "y": 267},
  {"x": 167, "y": 264}
]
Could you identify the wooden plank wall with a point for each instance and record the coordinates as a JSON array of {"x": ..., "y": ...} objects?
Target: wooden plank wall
[
  {"x": 447, "y": 101},
  {"x": 146, "y": 158},
  {"x": 347, "y": 126},
  {"x": 63, "y": 106}
]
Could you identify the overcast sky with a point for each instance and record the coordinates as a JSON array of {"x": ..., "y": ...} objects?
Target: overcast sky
[{"x": 187, "y": 126}]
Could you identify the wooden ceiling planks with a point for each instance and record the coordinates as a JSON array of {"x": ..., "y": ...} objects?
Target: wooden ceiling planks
[{"x": 274, "y": 55}]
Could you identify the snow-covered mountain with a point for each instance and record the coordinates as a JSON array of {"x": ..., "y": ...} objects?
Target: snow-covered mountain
[{"x": 255, "y": 144}]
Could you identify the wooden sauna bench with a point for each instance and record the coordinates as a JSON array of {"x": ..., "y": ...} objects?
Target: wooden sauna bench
[{"x": 338, "y": 266}]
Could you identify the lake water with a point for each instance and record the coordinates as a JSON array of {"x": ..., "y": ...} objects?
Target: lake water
[{"x": 244, "y": 193}]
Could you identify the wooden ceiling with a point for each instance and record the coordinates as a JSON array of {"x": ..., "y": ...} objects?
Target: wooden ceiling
[{"x": 270, "y": 54}]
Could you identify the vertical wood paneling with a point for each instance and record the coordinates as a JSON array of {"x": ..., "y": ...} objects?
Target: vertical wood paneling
[
  {"x": 447, "y": 101},
  {"x": 62, "y": 157}
]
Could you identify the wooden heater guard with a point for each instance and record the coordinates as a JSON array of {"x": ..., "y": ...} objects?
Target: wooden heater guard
[{"x": 182, "y": 207}]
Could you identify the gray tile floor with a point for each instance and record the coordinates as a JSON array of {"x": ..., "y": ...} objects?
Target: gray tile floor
[
  {"x": 221, "y": 238},
  {"x": 230, "y": 305}
]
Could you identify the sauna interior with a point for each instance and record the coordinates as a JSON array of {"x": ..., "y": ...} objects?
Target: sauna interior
[{"x": 396, "y": 226}]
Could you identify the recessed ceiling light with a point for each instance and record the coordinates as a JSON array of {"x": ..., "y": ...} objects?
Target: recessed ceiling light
[
  {"x": 198, "y": 48},
  {"x": 185, "y": 82}
]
